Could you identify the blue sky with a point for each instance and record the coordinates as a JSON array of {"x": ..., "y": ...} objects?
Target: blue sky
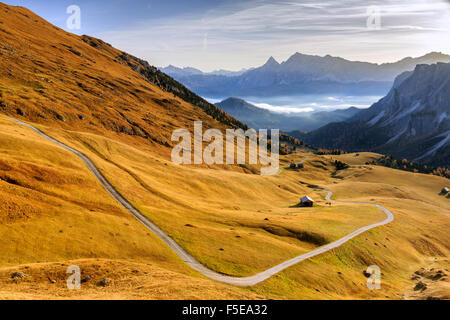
[{"x": 231, "y": 34}]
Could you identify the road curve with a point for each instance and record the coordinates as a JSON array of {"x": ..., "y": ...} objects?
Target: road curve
[{"x": 191, "y": 261}]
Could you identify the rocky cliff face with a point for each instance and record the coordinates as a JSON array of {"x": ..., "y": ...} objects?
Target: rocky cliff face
[
  {"x": 412, "y": 121},
  {"x": 418, "y": 104}
]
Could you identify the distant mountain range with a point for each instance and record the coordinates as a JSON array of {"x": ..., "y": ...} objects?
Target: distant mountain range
[
  {"x": 412, "y": 121},
  {"x": 189, "y": 71},
  {"x": 259, "y": 118},
  {"x": 301, "y": 74}
]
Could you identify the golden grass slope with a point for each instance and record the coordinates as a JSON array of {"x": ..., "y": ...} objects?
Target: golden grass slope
[
  {"x": 63, "y": 80},
  {"x": 129, "y": 280},
  {"x": 223, "y": 217},
  {"x": 53, "y": 209}
]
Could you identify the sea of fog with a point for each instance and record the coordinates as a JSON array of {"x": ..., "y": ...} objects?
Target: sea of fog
[{"x": 304, "y": 104}]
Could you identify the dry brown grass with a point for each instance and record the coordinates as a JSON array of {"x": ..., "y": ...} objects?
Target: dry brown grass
[
  {"x": 236, "y": 222},
  {"x": 55, "y": 210},
  {"x": 129, "y": 280},
  {"x": 219, "y": 216},
  {"x": 41, "y": 76}
]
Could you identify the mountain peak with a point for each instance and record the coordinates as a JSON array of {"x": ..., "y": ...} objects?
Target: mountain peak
[
  {"x": 271, "y": 62},
  {"x": 299, "y": 58},
  {"x": 435, "y": 54},
  {"x": 411, "y": 121}
]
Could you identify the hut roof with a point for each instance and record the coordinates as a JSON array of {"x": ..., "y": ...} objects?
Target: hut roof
[{"x": 306, "y": 199}]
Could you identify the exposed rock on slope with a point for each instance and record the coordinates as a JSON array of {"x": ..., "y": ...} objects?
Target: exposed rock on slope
[{"x": 412, "y": 121}]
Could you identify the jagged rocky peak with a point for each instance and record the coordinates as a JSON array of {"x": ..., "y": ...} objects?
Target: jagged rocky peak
[
  {"x": 412, "y": 121},
  {"x": 271, "y": 62}
]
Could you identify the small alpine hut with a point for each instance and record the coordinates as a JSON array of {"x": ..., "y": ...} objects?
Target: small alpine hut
[
  {"x": 444, "y": 190},
  {"x": 306, "y": 202}
]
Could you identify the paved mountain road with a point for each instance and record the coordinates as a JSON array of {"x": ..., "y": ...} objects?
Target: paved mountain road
[{"x": 191, "y": 261}]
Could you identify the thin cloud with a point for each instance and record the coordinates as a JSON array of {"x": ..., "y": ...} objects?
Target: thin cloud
[
  {"x": 283, "y": 109},
  {"x": 245, "y": 34}
]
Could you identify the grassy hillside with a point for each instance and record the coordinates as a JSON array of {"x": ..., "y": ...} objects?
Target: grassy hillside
[
  {"x": 230, "y": 218},
  {"x": 60, "y": 79},
  {"x": 53, "y": 209},
  {"x": 205, "y": 216}
]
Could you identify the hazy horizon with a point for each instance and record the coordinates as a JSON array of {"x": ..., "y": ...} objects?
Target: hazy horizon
[
  {"x": 305, "y": 104},
  {"x": 284, "y": 60},
  {"x": 230, "y": 35}
]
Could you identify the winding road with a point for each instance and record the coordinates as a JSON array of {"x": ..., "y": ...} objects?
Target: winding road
[{"x": 191, "y": 261}]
